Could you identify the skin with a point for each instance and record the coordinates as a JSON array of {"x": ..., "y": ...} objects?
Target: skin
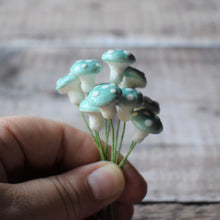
[{"x": 44, "y": 169}]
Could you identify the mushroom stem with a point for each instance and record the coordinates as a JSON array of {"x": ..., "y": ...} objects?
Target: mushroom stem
[
  {"x": 87, "y": 82},
  {"x": 117, "y": 71},
  {"x": 95, "y": 121},
  {"x": 124, "y": 113},
  {"x": 76, "y": 96},
  {"x": 108, "y": 111},
  {"x": 139, "y": 135},
  {"x": 133, "y": 143}
]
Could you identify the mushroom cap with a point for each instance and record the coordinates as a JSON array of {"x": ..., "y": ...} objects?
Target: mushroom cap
[
  {"x": 66, "y": 80},
  {"x": 119, "y": 56},
  {"x": 147, "y": 121},
  {"x": 84, "y": 67},
  {"x": 130, "y": 97},
  {"x": 151, "y": 105},
  {"x": 137, "y": 77},
  {"x": 85, "y": 107},
  {"x": 104, "y": 94}
]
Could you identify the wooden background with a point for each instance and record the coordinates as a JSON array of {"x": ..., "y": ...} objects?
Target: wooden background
[{"x": 177, "y": 44}]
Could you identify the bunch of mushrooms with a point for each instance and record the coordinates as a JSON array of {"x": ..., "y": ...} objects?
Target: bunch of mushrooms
[{"x": 119, "y": 98}]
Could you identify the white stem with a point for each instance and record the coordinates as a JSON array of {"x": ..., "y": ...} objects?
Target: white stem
[
  {"x": 95, "y": 121},
  {"x": 108, "y": 111},
  {"x": 117, "y": 71},
  {"x": 87, "y": 82},
  {"x": 124, "y": 113},
  {"x": 138, "y": 135},
  {"x": 76, "y": 96}
]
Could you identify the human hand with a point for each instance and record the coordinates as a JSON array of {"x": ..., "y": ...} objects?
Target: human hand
[{"x": 49, "y": 170}]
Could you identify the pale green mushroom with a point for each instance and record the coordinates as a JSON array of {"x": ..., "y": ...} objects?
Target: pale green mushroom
[
  {"x": 95, "y": 117},
  {"x": 133, "y": 78},
  {"x": 145, "y": 123},
  {"x": 130, "y": 99},
  {"x": 70, "y": 85},
  {"x": 118, "y": 60},
  {"x": 105, "y": 97},
  {"x": 86, "y": 70}
]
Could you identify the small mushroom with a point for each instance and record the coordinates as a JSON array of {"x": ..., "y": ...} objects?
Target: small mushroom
[
  {"x": 95, "y": 117},
  {"x": 118, "y": 60},
  {"x": 145, "y": 122},
  {"x": 130, "y": 99},
  {"x": 133, "y": 78},
  {"x": 150, "y": 105},
  {"x": 105, "y": 96},
  {"x": 86, "y": 71},
  {"x": 70, "y": 85}
]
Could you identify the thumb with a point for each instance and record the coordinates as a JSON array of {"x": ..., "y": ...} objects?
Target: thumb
[{"x": 76, "y": 194}]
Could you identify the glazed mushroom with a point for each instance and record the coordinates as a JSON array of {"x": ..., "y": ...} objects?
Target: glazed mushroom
[
  {"x": 133, "y": 78},
  {"x": 105, "y": 96},
  {"x": 150, "y": 105},
  {"x": 118, "y": 60},
  {"x": 130, "y": 99},
  {"x": 70, "y": 85},
  {"x": 86, "y": 70},
  {"x": 95, "y": 117},
  {"x": 145, "y": 122}
]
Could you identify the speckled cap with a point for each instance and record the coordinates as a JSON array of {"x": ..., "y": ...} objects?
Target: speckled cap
[
  {"x": 65, "y": 81},
  {"x": 118, "y": 55},
  {"x": 104, "y": 94},
  {"x": 151, "y": 105},
  {"x": 146, "y": 121},
  {"x": 84, "y": 67},
  {"x": 130, "y": 97},
  {"x": 85, "y": 107}
]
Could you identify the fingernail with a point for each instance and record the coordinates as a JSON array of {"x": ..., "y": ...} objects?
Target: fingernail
[{"x": 107, "y": 182}]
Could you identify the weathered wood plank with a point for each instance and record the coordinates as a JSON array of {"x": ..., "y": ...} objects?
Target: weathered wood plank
[
  {"x": 95, "y": 20},
  {"x": 177, "y": 212},
  {"x": 180, "y": 164}
]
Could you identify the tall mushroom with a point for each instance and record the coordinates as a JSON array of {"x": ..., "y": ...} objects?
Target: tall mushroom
[
  {"x": 130, "y": 99},
  {"x": 105, "y": 96},
  {"x": 70, "y": 85},
  {"x": 133, "y": 78},
  {"x": 95, "y": 117},
  {"x": 145, "y": 122},
  {"x": 118, "y": 60},
  {"x": 86, "y": 71}
]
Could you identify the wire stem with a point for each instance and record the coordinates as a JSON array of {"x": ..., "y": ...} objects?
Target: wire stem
[
  {"x": 129, "y": 151},
  {"x": 121, "y": 141}
]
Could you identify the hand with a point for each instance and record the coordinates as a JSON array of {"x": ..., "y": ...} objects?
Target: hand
[{"x": 49, "y": 170}]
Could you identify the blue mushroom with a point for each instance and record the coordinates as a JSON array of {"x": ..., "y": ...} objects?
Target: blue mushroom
[
  {"x": 118, "y": 60},
  {"x": 86, "y": 70},
  {"x": 70, "y": 85}
]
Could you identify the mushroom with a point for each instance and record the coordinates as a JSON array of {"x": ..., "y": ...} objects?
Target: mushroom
[
  {"x": 105, "y": 96},
  {"x": 130, "y": 99},
  {"x": 86, "y": 71},
  {"x": 70, "y": 85},
  {"x": 150, "y": 105},
  {"x": 118, "y": 60},
  {"x": 133, "y": 78},
  {"x": 95, "y": 117},
  {"x": 145, "y": 122}
]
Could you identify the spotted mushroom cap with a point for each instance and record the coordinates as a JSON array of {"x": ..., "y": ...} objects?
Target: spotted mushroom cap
[
  {"x": 63, "y": 83},
  {"x": 119, "y": 56},
  {"x": 84, "y": 67},
  {"x": 85, "y": 107},
  {"x": 146, "y": 121},
  {"x": 104, "y": 94},
  {"x": 133, "y": 78},
  {"x": 130, "y": 97}
]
